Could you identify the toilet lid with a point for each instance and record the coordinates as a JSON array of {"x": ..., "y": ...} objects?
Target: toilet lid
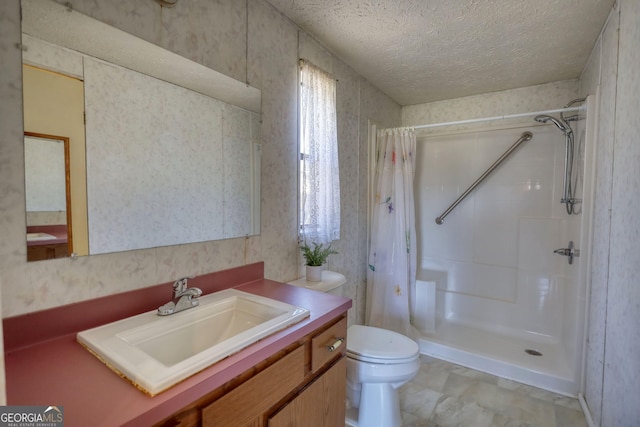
[{"x": 375, "y": 343}]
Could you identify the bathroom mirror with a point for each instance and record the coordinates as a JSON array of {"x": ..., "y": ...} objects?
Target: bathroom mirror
[{"x": 172, "y": 149}]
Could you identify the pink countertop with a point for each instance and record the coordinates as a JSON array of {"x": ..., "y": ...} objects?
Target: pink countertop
[{"x": 46, "y": 366}]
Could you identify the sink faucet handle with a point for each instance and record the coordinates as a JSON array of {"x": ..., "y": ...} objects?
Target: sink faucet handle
[{"x": 180, "y": 285}]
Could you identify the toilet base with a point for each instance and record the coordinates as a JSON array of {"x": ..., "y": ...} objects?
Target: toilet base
[
  {"x": 351, "y": 417},
  {"x": 379, "y": 407}
]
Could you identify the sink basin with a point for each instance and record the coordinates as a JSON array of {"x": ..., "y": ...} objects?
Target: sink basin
[{"x": 155, "y": 352}]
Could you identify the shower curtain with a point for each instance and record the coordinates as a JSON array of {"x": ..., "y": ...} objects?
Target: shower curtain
[{"x": 392, "y": 256}]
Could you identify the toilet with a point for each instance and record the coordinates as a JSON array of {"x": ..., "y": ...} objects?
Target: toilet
[{"x": 378, "y": 362}]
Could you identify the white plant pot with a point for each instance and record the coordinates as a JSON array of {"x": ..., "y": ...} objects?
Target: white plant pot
[{"x": 314, "y": 273}]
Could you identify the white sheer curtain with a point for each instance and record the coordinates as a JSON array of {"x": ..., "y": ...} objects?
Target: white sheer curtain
[
  {"x": 319, "y": 180},
  {"x": 392, "y": 257}
]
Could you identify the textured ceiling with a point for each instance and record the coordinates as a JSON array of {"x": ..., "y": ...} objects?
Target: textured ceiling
[{"x": 420, "y": 51}]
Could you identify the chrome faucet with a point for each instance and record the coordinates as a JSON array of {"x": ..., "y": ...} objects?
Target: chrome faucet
[
  {"x": 183, "y": 298},
  {"x": 568, "y": 252}
]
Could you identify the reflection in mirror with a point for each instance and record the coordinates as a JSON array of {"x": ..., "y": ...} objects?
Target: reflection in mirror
[
  {"x": 47, "y": 195},
  {"x": 54, "y": 105},
  {"x": 172, "y": 147}
]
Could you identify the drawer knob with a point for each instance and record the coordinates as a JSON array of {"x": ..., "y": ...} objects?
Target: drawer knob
[{"x": 335, "y": 345}]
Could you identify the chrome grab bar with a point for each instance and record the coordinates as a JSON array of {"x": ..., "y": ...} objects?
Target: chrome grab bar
[{"x": 526, "y": 136}]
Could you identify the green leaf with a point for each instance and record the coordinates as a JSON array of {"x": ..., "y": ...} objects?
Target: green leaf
[{"x": 317, "y": 255}]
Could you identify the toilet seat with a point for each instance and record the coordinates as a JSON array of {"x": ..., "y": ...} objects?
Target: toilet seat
[
  {"x": 376, "y": 345},
  {"x": 380, "y": 361}
]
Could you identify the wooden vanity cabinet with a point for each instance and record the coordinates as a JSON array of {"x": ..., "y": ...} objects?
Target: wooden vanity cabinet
[
  {"x": 47, "y": 251},
  {"x": 302, "y": 385}
]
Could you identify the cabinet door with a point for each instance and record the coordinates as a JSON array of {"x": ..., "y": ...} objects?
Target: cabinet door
[{"x": 322, "y": 404}]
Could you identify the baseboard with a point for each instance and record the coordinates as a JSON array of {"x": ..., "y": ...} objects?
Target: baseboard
[{"x": 585, "y": 410}]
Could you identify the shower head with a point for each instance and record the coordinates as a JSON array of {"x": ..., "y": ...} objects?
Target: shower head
[{"x": 561, "y": 124}]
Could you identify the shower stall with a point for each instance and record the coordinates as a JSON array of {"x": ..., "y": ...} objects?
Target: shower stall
[{"x": 495, "y": 290}]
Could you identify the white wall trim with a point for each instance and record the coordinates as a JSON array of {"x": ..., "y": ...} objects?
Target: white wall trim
[{"x": 585, "y": 410}]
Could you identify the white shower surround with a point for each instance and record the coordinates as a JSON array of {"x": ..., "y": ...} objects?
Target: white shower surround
[{"x": 501, "y": 289}]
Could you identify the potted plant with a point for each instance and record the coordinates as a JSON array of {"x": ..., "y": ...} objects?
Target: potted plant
[{"x": 314, "y": 258}]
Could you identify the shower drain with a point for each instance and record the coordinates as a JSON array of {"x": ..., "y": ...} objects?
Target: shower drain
[{"x": 533, "y": 352}]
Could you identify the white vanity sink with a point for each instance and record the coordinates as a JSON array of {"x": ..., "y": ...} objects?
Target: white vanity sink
[
  {"x": 155, "y": 352},
  {"x": 32, "y": 237}
]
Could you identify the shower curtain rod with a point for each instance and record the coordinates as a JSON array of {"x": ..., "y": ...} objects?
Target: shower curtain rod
[{"x": 510, "y": 116}]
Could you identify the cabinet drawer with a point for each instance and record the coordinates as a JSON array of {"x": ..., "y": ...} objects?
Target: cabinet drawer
[
  {"x": 247, "y": 402},
  {"x": 321, "y": 352}
]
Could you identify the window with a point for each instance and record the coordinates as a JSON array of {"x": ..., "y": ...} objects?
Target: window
[{"x": 319, "y": 175}]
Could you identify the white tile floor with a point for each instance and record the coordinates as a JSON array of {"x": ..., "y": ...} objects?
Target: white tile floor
[{"x": 444, "y": 394}]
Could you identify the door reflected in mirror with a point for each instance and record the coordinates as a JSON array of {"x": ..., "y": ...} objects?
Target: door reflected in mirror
[{"x": 47, "y": 195}]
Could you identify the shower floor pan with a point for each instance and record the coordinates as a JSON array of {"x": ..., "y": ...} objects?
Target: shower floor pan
[{"x": 503, "y": 356}]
